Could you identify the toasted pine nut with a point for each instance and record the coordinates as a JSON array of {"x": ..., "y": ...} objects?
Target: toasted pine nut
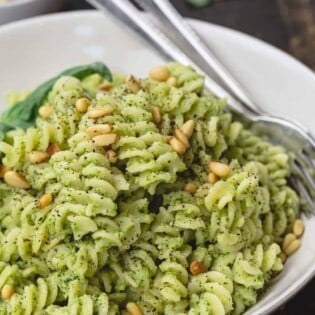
[
  {"x": 45, "y": 111},
  {"x": 96, "y": 130},
  {"x": 100, "y": 112},
  {"x": 168, "y": 139},
  {"x": 14, "y": 179},
  {"x": 37, "y": 157},
  {"x": 44, "y": 200},
  {"x": 298, "y": 227},
  {"x": 220, "y": 169},
  {"x": 133, "y": 309},
  {"x": 156, "y": 114},
  {"x": 283, "y": 257},
  {"x": 292, "y": 247},
  {"x": 3, "y": 170},
  {"x": 188, "y": 128},
  {"x": 181, "y": 137},
  {"x": 112, "y": 156},
  {"x": 160, "y": 73},
  {"x": 212, "y": 178},
  {"x": 104, "y": 140},
  {"x": 178, "y": 146},
  {"x": 197, "y": 267},
  {"x": 172, "y": 81},
  {"x": 288, "y": 239},
  {"x": 191, "y": 188},
  {"x": 7, "y": 291},
  {"x": 132, "y": 83},
  {"x": 82, "y": 104},
  {"x": 52, "y": 149},
  {"x": 106, "y": 86}
]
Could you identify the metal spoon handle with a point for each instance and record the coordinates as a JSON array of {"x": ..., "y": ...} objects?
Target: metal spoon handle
[{"x": 136, "y": 21}]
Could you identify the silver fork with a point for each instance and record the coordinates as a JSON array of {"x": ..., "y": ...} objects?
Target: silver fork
[
  {"x": 294, "y": 137},
  {"x": 178, "y": 29}
]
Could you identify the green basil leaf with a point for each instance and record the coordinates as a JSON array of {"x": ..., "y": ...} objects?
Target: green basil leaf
[{"x": 23, "y": 114}]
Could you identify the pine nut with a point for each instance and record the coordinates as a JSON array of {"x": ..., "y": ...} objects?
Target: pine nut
[
  {"x": 44, "y": 200},
  {"x": 160, "y": 73},
  {"x": 191, "y": 188},
  {"x": 37, "y": 157},
  {"x": 3, "y": 170},
  {"x": 52, "y": 149},
  {"x": 172, "y": 81},
  {"x": 298, "y": 227},
  {"x": 212, "y": 178},
  {"x": 82, "y": 104},
  {"x": 132, "y": 83},
  {"x": 14, "y": 179},
  {"x": 197, "y": 267},
  {"x": 133, "y": 309},
  {"x": 288, "y": 239},
  {"x": 283, "y": 257},
  {"x": 219, "y": 169},
  {"x": 100, "y": 112},
  {"x": 178, "y": 146},
  {"x": 7, "y": 291},
  {"x": 104, "y": 140},
  {"x": 292, "y": 247},
  {"x": 168, "y": 139},
  {"x": 156, "y": 114},
  {"x": 181, "y": 137},
  {"x": 106, "y": 86},
  {"x": 97, "y": 130},
  {"x": 112, "y": 156},
  {"x": 188, "y": 128},
  {"x": 45, "y": 111}
]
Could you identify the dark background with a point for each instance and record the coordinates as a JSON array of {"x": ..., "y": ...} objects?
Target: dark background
[{"x": 287, "y": 24}]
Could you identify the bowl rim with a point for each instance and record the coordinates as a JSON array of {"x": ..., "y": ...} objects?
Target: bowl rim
[
  {"x": 16, "y": 3},
  {"x": 308, "y": 273}
]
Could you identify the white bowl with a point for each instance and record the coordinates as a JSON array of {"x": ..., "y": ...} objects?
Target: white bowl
[
  {"x": 19, "y": 9},
  {"x": 34, "y": 50}
]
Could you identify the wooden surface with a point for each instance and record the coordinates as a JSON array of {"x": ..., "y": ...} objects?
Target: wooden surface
[{"x": 287, "y": 24}]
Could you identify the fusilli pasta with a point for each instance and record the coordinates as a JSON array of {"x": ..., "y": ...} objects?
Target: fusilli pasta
[{"x": 125, "y": 229}]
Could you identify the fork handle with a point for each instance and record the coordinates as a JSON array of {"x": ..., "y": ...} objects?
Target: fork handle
[
  {"x": 187, "y": 39},
  {"x": 126, "y": 13}
]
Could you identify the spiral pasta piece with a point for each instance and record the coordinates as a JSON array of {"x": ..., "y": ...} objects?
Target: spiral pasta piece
[
  {"x": 55, "y": 129},
  {"x": 216, "y": 297}
]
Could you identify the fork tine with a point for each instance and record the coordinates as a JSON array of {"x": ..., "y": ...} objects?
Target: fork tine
[
  {"x": 302, "y": 167},
  {"x": 309, "y": 156},
  {"x": 303, "y": 181},
  {"x": 305, "y": 157},
  {"x": 304, "y": 195}
]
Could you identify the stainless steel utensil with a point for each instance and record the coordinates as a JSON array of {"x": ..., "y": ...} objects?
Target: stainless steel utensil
[
  {"x": 179, "y": 30},
  {"x": 294, "y": 137}
]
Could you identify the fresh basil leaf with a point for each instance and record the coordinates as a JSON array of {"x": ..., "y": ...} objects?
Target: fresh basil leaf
[
  {"x": 23, "y": 114},
  {"x": 199, "y": 3}
]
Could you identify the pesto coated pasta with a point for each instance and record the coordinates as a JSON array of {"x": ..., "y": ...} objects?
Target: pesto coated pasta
[{"x": 139, "y": 190}]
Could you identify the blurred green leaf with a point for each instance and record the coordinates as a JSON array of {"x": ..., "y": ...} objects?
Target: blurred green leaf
[
  {"x": 23, "y": 113},
  {"x": 199, "y": 3}
]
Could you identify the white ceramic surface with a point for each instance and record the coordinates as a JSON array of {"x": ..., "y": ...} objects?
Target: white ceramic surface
[
  {"x": 34, "y": 50},
  {"x": 20, "y": 9}
]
